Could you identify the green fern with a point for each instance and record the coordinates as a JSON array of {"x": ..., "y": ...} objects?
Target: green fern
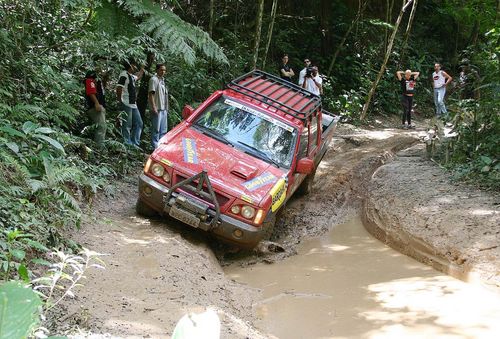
[{"x": 175, "y": 35}]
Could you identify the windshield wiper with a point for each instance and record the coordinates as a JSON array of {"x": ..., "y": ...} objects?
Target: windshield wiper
[
  {"x": 213, "y": 133},
  {"x": 260, "y": 154}
]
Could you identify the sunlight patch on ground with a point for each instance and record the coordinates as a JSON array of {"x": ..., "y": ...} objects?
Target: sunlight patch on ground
[
  {"x": 484, "y": 212},
  {"x": 436, "y": 306}
]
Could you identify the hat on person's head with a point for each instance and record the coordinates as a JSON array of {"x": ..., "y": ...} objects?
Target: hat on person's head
[{"x": 91, "y": 74}]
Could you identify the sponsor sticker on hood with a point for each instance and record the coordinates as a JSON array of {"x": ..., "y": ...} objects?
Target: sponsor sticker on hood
[
  {"x": 262, "y": 180},
  {"x": 189, "y": 149}
]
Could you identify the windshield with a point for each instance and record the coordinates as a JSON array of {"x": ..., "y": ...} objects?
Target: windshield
[{"x": 250, "y": 130}]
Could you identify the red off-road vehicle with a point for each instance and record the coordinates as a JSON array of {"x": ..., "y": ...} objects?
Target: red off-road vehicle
[{"x": 232, "y": 164}]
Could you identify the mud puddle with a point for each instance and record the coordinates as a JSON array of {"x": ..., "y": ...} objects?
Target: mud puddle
[{"x": 347, "y": 284}]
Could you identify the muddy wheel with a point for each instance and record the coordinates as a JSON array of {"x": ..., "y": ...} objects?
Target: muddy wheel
[
  {"x": 269, "y": 228},
  {"x": 306, "y": 187},
  {"x": 144, "y": 210}
]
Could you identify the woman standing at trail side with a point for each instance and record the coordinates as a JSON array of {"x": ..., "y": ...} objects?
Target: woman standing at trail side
[
  {"x": 440, "y": 79},
  {"x": 408, "y": 82}
]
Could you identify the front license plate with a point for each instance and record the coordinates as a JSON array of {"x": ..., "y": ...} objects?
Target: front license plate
[{"x": 184, "y": 216}]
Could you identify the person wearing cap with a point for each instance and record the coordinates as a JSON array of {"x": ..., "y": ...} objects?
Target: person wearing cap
[
  {"x": 96, "y": 105},
  {"x": 408, "y": 82},
  {"x": 440, "y": 79},
  {"x": 302, "y": 74}
]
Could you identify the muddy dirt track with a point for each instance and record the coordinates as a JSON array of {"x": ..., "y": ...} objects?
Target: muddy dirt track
[{"x": 158, "y": 270}]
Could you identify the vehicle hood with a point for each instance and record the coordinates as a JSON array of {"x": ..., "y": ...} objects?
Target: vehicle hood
[{"x": 229, "y": 169}]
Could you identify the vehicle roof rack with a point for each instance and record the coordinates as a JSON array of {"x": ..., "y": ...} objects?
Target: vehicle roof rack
[{"x": 273, "y": 91}]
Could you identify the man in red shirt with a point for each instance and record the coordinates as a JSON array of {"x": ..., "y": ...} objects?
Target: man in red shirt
[{"x": 96, "y": 103}]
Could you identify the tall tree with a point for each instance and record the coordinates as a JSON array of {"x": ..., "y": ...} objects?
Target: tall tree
[
  {"x": 386, "y": 58},
  {"x": 361, "y": 7},
  {"x": 270, "y": 31},
  {"x": 407, "y": 32},
  {"x": 211, "y": 22},
  {"x": 258, "y": 30}
]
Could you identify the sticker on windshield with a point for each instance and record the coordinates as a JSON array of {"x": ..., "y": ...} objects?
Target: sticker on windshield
[
  {"x": 261, "y": 180},
  {"x": 259, "y": 114},
  {"x": 189, "y": 149}
]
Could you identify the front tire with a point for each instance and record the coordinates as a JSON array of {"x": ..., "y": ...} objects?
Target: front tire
[
  {"x": 143, "y": 209},
  {"x": 307, "y": 185}
]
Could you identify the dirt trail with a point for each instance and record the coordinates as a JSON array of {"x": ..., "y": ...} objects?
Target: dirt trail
[{"x": 159, "y": 270}]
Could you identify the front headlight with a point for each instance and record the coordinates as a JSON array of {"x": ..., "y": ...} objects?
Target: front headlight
[
  {"x": 236, "y": 209},
  {"x": 166, "y": 177},
  {"x": 157, "y": 170},
  {"x": 248, "y": 212}
]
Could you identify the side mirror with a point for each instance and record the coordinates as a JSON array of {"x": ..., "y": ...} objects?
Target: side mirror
[
  {"x": 305, "y": 166},
  {"x": 187, "y": 112}
]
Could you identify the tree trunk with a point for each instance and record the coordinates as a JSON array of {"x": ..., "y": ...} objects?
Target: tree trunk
[
  {"x": 384, "y": 63},
  {"x": 324, "y": 22},
  {"x": 408, "y": 29},
  {"x": 258, "y": 30},
  {"x": 270, "y": 31},
  {"x": 361, "y": 8},
  {"x": 211, "y": 23}
]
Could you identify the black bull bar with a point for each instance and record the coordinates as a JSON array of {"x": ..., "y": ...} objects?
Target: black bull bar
[{"x": 184, "y": 204}]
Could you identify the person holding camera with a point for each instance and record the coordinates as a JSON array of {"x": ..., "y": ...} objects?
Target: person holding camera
[{"x": 312, "y": 81}]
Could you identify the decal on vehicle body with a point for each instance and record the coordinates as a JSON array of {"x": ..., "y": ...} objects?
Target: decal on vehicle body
[
  {"x": 246, "y": 198},
  {"x": 278, "y": 194},
  {"x": 261, "y": 180},
  {"x": 167, "y": 162},
  {"x": 189, "y": 149}
]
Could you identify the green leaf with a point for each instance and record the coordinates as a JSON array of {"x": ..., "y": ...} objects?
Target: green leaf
[
  {"x": 486, "y": 160},
  {"x": 36, "y": 244},
  {"x": 23, "y": 273},
  {"x": 29, "y": 126},
  {"x": 19, "y": 310},
  {"x": 12, "y": 131},
  {"x": 39, "y": 261},
  {"x": 44, "y": 130},
  {"x": 51, "y": 141},
  {"x": 13, "y": 146},
  {"x": 18, "y": 254}
]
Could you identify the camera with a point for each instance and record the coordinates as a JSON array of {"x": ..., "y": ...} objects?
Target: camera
[{"x": 309, "y": 71}]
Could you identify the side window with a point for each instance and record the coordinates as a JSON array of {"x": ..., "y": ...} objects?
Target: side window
[
  {"x": 313, "y": 128},
  {"x": 304, "y": 140}
]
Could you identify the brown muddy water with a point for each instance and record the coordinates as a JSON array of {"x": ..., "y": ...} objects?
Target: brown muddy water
[{"x": 347, "y": 284}]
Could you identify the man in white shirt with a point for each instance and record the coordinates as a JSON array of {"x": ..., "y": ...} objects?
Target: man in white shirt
[
  {"x": 440, "y": 79},
  {"x": 302, "y": 74},
  {"x": 313, "y": 82},
  {"x": 158, "y": 104},
  {"x": 126, "y": 93}
]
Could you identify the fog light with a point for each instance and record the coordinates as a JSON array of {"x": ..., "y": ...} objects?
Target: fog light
[
  {"x": 148, "y": 190},
  {"x": 238, "y": 234}
]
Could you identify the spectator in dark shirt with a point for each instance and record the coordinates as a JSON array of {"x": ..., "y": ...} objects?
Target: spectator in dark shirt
[
  {"x": 286, "y": 72},
  {"x": 408, "y": 82}
]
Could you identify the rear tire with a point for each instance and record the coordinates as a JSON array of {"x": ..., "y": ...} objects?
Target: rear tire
[
  {"x": 144, "y": 210},
  {"x": 307, "y": 185}
]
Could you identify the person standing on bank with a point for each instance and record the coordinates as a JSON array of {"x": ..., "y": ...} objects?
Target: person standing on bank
[
  {"x": 158, "y": 104},
  {"x": 302, "y": 73},
  {"x": 408, "y": 82},
  {"x": 96, "y": 105},
  {"x": 126, "y": 93},
  {"x": 312, "y": 81},
  {"x": 286, "y": 72},
  {"x": 440, "y": 79}
]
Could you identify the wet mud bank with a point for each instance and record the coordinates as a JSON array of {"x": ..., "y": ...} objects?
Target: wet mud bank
[{"x": 412, "y": 206}]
